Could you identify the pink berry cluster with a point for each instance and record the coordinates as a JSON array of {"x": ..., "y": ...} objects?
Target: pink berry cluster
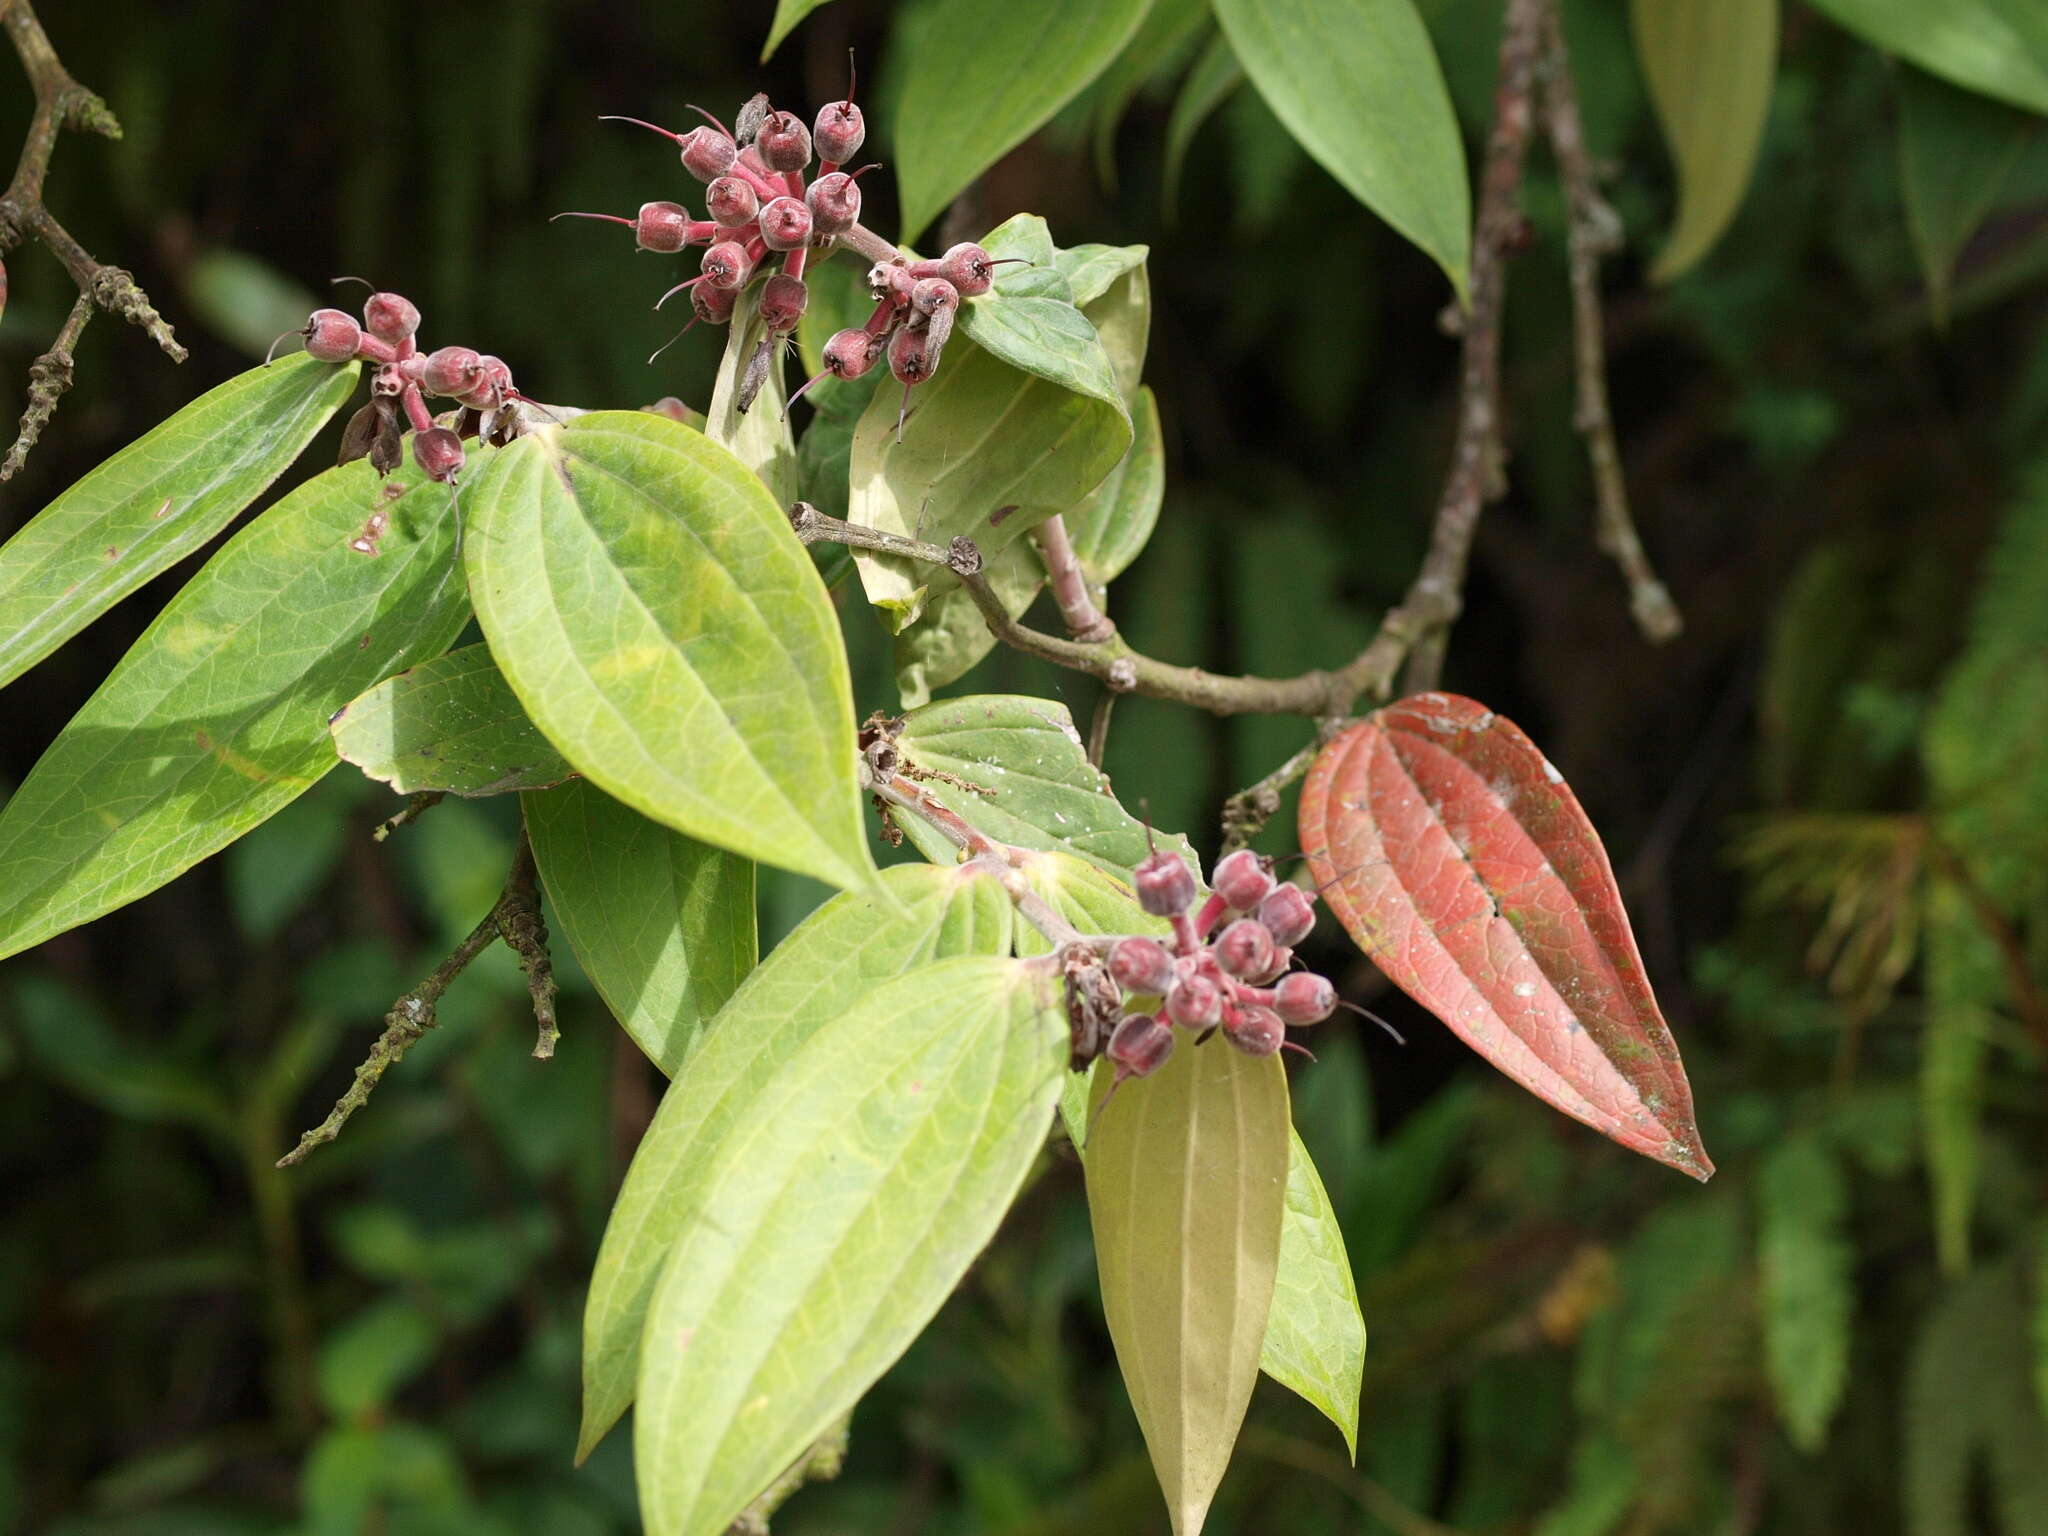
[
  {"x": 404, "y": 376},
  {"x": 1225, "y": 967}
]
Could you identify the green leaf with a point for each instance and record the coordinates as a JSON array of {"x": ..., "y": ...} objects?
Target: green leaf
[
  {"x": 758, "y": 436},
  {"x": 1031, "y": 317},
  {"x": 1315, "y": 1333},
  {"x": 1955, "y": 149},
  {"x": 1015, "y": 769},
  {"x": 787, "y": 14},
  {"x": 1357, "y": 82},
  {"x": 832, "y": 1219},
  {"x": 1165, "y": 38},
  {"x": 1112, "y": 527},
  {"x": 1994, "y": 47},
  {"x": 1808, "y": 1290},
  {"x": 1092, "y": 270},
  {"x": 662, "y": 924},
  {"x": 451, "y": 723},
  {"x": 1187, "y": 1191},
  {"x": 69, "y": 1039},
  {"x": 216, "y": 718},
  {"x": 1213, "y": 80},
  {"x": 366, "y": 1360},
  {"x": 952, "y": 636},
  {"x": 979, "y": 79},
  {"x": 1964, "y": 983},
  {"x": 245, "y": 301},
  {"x": 833, "y": 960},
  {"x": 658, "y": 619},
  {"x": 156, "y": 501},
  {"x": 1709, "y": 65}
]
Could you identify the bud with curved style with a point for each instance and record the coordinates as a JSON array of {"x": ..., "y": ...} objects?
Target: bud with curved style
[
  {"x": 1140, "y": 1046},
  {"x": 493, "y": 389},
  {"x": 726, "y": 265},
  {"x": 1255, "y": 1031},
  {"x": 438, "y": 452},
  {"x": 784, "y": 142},
  {"x": 834, "y": 201},
  {"x": 783, "y": 300},
  {"x": 332, "y": 335},
  {"x": 714, "y": 306},
  {"x": 707, "y": 154}
]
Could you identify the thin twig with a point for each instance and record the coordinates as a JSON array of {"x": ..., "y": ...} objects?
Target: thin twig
[
  {"x": 414, "y": 808},
  {"x": 515, "y": 918},
  {"x": 1246, "y": 813},
  {"x": 1098, "y": 729},
  {"x": 61, "y": 103},
  {"x": 1593, "y": 231},
  {"x": 1078, "y": 611},
  {"x": 821, "y": 1463}
]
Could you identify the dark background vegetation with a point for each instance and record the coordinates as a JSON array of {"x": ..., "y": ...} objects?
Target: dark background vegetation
[{"x": 1565, "y": 1338}]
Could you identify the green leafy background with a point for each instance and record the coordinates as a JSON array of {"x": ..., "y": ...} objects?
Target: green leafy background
[{"x": 1834, "y": 424}]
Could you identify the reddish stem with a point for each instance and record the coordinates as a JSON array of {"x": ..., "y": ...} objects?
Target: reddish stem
[{"x": 416, "y": 410}]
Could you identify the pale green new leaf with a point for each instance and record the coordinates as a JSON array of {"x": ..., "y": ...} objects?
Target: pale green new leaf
[
  {"x": 1806, "y": 1268},
  {"x": 156, "y": 501},
  {"x": 451, "y": 723},
  {"x": 662, "y": 924},
  {"x": 1187, "y": 1191},
  {"x": 977, "y": 79},
  {"x": 1213, "y": 80},
  {"x": 660, "y": 622},
  {"x": 1994, "y": 47},
  {"x": 1015, "y": 769},
  {"x": 834, "y": 959},
  {"x": 216, "y": 719},
  {"x": 1315, "y": 1333},
  {"x": 1112, "y": 527},
  {"x": 1955, "y": 149},
  {"x": 787, "y": 14},
  {"x": 953, "y": 635},
  {"x": 758, "y": 436},
  {"x": 1031, "y": 316},
  {"x": 832, "y": 1219},
  {"x": 1358, "y": 84},
  {"x": 1709, "y": 65}
]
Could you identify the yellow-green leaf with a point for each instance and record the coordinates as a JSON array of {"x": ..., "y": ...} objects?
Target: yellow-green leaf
[
  {"x": 1315, "y": 1333},
  {"x": 1995, "y": 47},
  {"x": 450, "y": 724}
]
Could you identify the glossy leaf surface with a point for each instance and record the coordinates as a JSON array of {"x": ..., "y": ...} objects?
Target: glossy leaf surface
[
  {"x": 978, "y": 79},
  {"x": 832, "y": 1220},
  {"x": 647, "y": 601},
  {"x": 663, "y": 924},
  {"x": 833, "y": 960},
  {"x": 1358, "y": 84},
  {"x": 1998, "y": 48},
  {"x": 1187, "y": 1191},
  {"x": 156, "y": 501},
  {"x": 1461, "y": 862},
  {"x": 216, "y": 718},
  {"x": 1710, "y": 65},
  {"x": 451, "y": 723}
]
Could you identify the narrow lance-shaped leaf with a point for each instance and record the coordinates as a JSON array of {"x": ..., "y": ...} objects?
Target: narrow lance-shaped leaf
[
  {"x": 1358, "y": 84},
  {"x": 787, "y": 14},
  {"x": 1315, "y": 1333},
  {"x": 1996, "y": 47},
  {"x": 1955, "y": 149},
  {"x": 156, "y": 501},
  {"x": 832, "y": 1220},
  {"x": 1710, "y": 65},
  {"x": 833, "y": 959},
  {"x": 1187, "y": 1192},
  {"x": 452, "y": 724},
  {"x": 217, "y": 717},
  {"x": 659, "y": 621},
  {"x": 1457, "y": 857},
  {"x": 662, "y": 924},
  {"x": 1213, "y": 80},
  {"x": 978, "y": 79}
]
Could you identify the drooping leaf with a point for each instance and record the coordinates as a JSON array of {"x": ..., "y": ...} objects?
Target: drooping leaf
[
  {"x": 1458, "y": 859},
  {"x": 217, "y": 717},
  {"x": 1955, "y": 148},
  {"x": 1031, "y": 318},
  {"x": 758, "y": 436},
  {"x": 834, "y": 959},
  {"x": 831, "y": 1220},
  {"x": 662, "y": 924},
  {"x": 1216, "y": 75},
  {"x": 1171, "y": 30},
  {"x": 1111, "y": 528},
  {"x": 1964, "y": 983},
  {"x": 1357, "y": 82},
  {"x": 1997, "y": 48},
  {"x": 451, "y": 723},
  {"x": 1187, "y": 1191},
  {"x": 787, "y": 14},
  {"x": 1315, "y": 1333},
  {"x": 1808, "y": 1288},
  {"x": 663, "y": 626},
  {"x": 979, "y": 79},
  {"x": 1709, "y": 65},
  {"x": 1015, "y": 769},
  {"x": 156, "y": 501}
]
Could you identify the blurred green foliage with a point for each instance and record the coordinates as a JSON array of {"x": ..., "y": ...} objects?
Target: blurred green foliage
[{"x": 1828, "y": 804}]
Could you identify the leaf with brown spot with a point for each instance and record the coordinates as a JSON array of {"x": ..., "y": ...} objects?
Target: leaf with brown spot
[{"x": 1461, "y": 862}]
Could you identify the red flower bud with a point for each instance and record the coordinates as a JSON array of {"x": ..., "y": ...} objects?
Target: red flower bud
[
  {"x": 438, "y": 452},
  {"x": 1304, "y": 998},
  {"x": 1140, "y": 1045},
  {"x": 732, "y": 201},
  {"x": 1142, "y": 965},
  {"x": 1245, "y": 948},
  {"x": 1242, "y": 880},
  {"x": 451, "y": 371},
  {"x": 838, "y": 132},
  {"x": 784, "y": 142},
  {"x": 785, "y": 224},
  {"x": 390, "y": 317},
  {"x": 1196, "y": 1002},
  {"x": 707, "y": 153},
  {"x": 834, "y": 202},
  {"x": 1289, "y": 913},
  {"x": 332, "y": 336},
  {"x": 726, "y": 265},
  {"x": 783, "y": 299},
  {"x": 1256, "y": 1031},
  {"x": 1165, "y": 888}
]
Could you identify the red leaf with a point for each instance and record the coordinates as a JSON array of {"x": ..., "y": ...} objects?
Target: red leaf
[{"x": 1456, "y": 856}]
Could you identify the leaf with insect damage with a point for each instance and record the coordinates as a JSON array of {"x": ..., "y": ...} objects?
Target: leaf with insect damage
[
  {"x": 1457, "y": 857},
  {"x": 216, "y": 719},
  {"x": 156, "y": 501}
]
